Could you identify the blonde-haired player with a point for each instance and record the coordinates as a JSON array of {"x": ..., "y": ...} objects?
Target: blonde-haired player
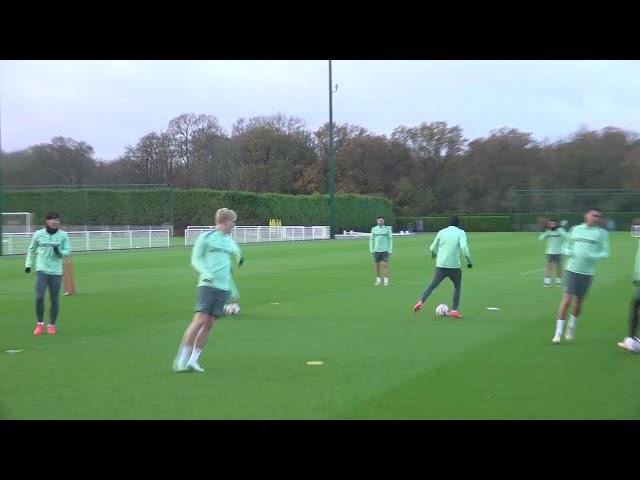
[{"x": 212, "y": 258}]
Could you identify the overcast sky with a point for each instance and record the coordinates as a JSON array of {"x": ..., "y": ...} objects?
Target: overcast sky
[{"x": 110, "y": 104}]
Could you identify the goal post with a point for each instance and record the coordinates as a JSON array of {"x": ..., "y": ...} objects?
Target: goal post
[{"x": 17, "y": 222}]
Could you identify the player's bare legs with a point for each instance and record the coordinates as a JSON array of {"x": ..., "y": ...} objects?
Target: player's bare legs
[
  {"x": 203, "y": 335},
  {"x": 378, "y": 273},
  {"x": 386, "y": 273},
  {"x": 565, "y": 304},
  {"x": 559, "y": 273},
  {"x": 548, "y": 270},
  {"x": 194, "y": 339},
  {"x": 573, "y": 319}
]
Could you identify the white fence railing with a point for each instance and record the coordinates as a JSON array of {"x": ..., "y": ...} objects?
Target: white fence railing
[
  {"x": 242, "y": 234},
  {"x": 17, "y": 243},
  {"x": 28, "y": 228}
]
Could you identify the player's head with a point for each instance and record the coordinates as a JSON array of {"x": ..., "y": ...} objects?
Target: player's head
[
  {"x": 225, "y": 220},
  {"x": 592, "y": 216},
  {"x": 380, "y": 220},
  {"x": 552, "y": 224},
  {"x": 454, "y": 221},
  {"x": 53, "y": 220}
]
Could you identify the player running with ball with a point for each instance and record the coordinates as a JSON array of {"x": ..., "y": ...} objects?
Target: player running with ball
[
  {"x": 585, "y": 244},
  {"x": 447, "y": 246},
  {"x": 211, "y": 257}
]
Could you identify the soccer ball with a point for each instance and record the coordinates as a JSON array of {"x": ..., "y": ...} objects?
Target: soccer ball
[
  {"x": 442, "y": 310},
  {"x": 232, "y": 309}
]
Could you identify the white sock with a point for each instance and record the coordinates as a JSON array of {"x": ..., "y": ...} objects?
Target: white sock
[
  {"x": 386, "y": 279},
  {"x": 184, "y": 352},
  {"x": 194, "y": 355},
  {"x": 40, "y": 323},
  {"x": 559, "y": 327},
  {"x": 547, "y": 281},
  {"x": 378, "y": 279},
  {"x": 572, "y": 322},
  {"x": 558, "y": 280}
]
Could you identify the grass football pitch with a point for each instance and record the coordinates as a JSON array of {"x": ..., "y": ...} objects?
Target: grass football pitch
[{"x": 315, "y": 301}]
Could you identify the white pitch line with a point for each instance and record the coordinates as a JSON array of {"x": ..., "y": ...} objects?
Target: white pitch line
[{"x": 533, "y": 271}]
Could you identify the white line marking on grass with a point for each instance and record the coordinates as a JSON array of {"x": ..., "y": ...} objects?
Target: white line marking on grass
[
  {"x": 14, "y": 351},
  {"x": 533, "y": 271}
]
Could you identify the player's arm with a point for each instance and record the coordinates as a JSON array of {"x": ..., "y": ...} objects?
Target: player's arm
[
  {"x": 198, "y": 255},
  {"x": 371, "y": 241},
  {"x": 390, "y": 233},
  {"x": 567, "y": 247},
  {"x": 31, "y": 251},
  {"x": 238, "y": 254},
  {"x": 464, "y": 246},
  {"x": 235, "y": 293},
  {"x": 65, "y": 247},
  {"x": 434, "y": 246},
  {"x": 604, "y": 247}
]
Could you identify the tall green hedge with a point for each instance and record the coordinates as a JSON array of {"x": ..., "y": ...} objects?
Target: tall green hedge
[{"x": 195, "y": 207}]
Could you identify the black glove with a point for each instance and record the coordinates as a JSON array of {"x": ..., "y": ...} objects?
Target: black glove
[
  {"x": 27, "y": 270},
  {"x": 433, "y": 255},
  {"x": 56, "y": 250},
  {"x": 241, "y": 261},
  {"x": 469, "y": 265}
]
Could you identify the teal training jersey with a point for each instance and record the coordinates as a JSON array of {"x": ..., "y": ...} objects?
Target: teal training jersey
[
  {"x": 584, "y": 246},
  {"x": 555, "y": 239},
  {"x": 447, "y": 246},
  {"x": 381, "y": 239},
  {"x": 41, "y": 245},
  {"x": 211, "y": 257}
]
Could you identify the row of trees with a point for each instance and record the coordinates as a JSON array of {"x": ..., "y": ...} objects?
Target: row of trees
[{"x": 428, "y": 168}]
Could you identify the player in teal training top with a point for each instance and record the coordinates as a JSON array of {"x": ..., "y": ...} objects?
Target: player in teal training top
[
  {"x": 632, "y": 342},
  {"x": 211, "y": 257},
  {"x": 49, "y": 245},
  {"x": 585, "y": 244},
  {"x": 554, "y": 237},
  {"x": 381, "y": 246},
  {"x": 446, "y": 247}
]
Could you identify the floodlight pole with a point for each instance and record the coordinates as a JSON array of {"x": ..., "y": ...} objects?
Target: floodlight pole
[{"x": 332, "y": 163}]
